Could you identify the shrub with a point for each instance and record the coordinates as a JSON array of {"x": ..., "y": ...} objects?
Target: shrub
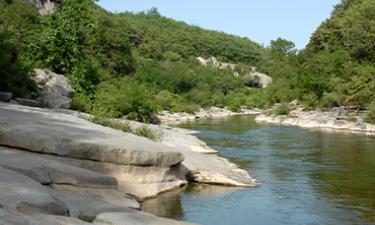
[
  {"x": 235, "y": 105},
  {"x": 282, "y": 109},
  {"x": 175, "y": 103},
  {"x": 370, "y": 115},
  {"x": 125, "y": 97}
]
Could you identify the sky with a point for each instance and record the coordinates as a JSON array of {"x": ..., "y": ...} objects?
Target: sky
[{"x": 259, "y": 20}]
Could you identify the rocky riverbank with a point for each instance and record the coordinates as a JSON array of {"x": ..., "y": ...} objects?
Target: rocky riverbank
[
  {"x": 56, "y": 168},
  {"x": 214, "y": 112},
  {"x": 335, "y": 119}
]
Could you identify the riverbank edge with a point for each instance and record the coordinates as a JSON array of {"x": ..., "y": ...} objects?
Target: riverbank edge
[
  {"x": 173, "y": 119},
  {"x": 329, "y": 120},
  {"x": 185, "y": 133}
]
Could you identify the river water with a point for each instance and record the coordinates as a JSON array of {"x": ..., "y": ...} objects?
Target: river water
[{"x": 308, "y": 177}]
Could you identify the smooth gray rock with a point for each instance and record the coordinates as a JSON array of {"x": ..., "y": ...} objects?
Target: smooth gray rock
[
  {"x": 54, "y": 89},
  {"x": 134, "y": 218},
  {"x": 15, "y": 218},
  {"x": 45, "y": 131},
  {"x": 332, "y": 120},
  {"x": 141, "y": 182},
  {"x": 6, "y": 96},
  {"x": 22, "y": 194},
  {"x": 89, "y": 202},
  {"x": 52, "y": 172},
  {"x": 28, "y": 102}
]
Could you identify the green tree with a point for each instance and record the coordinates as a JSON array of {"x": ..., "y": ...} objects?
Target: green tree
[
  {"x": 282, "y": 46},
  {"x": 68, "y": 42}
]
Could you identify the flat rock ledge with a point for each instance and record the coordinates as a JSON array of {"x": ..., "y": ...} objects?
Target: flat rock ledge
[
  {"x": 56, "y": 166},
  {"x": 328, "y": 120},
  {"x": 169, "y": 118}
]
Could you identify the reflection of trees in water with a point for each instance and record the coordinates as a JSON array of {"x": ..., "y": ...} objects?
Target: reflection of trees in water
[
  {"x": 347, "y": 172},
  {"x": 234, "y": 124}
]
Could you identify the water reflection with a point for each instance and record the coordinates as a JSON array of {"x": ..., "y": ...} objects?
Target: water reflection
[{"x": 308, "y": 177}]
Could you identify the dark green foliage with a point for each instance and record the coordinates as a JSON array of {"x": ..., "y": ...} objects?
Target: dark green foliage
[
  {"x": 66, "y": 43},
  {"x": 370, "y": 115},
  {"x": 16, "y": 19},
  {"x": 155, "y": 35},
  {"x": 125, "y": 96},
  {"x": 336, "y": 68}
]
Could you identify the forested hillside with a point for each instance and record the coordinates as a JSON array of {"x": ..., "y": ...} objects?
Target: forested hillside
[
  {"x": 124, "y": 64},
  {"x": 138, "y": 64},
  {"x": 337, "y": 68}
]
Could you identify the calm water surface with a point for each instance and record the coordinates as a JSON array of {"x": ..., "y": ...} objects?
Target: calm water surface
[{"x": 307, "y": 176}]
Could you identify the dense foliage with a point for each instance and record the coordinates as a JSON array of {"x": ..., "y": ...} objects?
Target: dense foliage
[
  {"x": 138, "y": 64},
  {"x": 126, "y": 64},
  {"x": 15, "y": 19},
  {"x": 337, "y": 67}
]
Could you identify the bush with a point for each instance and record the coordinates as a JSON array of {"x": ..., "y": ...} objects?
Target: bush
[
  {"x": 282, "y": 109},
  {"x": 125, "y": 97},
  {"x": 370, "y": 115},
  {"x": 175, "y": 103},
  {"x": 235, "y": 105}
]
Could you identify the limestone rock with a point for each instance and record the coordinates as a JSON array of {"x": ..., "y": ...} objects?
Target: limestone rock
[
  {"x": 28, "y": 102},
  {"x": 175, "y": 137},
  {"x": 6, "y": 96},
  {"x": 213, "y": 169},
  {"x": 45, "y": 7},
  {"x": 141, "y": 182},
  {"x": 15, "y": 218},
  {"x": 89, "y": 202},
  {"x": 52, "y": 172},
  {"x": 45, "y": 131},
  {"x": 22, "y": 194},
  {"x": 134, "y": 218},
  {"x": 54, "y": 89},
  {"x": 332, "y": 120}
]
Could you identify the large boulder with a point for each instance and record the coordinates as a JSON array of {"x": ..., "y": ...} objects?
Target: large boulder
[
  {"x": 54, "y": 89},
  {"x": 6, "y": 96},
  {"x": 134, "y": 218},
  {"x": 22, "y": 194}
]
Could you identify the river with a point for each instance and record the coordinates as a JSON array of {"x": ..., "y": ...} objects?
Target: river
[{"x": 308, "y": 177}]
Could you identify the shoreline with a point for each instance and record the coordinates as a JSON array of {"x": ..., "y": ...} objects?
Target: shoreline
[
  {"x": 168, "y": 118},
  {"x": 91, "y": 170},
  {"x": 336, "y": 119}
]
